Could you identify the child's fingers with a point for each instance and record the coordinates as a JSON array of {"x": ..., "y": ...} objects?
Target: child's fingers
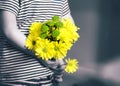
[
  {"x": 61, "y": 64},
  {"x": 52, "y": 64},
  {"x": 58, "y": 78}
]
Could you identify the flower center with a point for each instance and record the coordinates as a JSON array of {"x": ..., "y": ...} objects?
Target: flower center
[
  {"x": 33, "y": 42},
  {"x": 45, "y": 50},
  {"x": 56, "y": 48},
  {"x": 70, "y": 64}
]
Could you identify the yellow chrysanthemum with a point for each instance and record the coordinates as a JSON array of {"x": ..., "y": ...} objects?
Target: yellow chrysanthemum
[
  {"x": 68, "y": 45},
  {"x": 64, "y": 35},
  {"x": 44, "y": 49},
  {"x": 72, "y": 65},
  {"x": 71, "y": 28},
  {"x": 35, "y": 28},
  {"x": 31, "y": 42},
  {"x": 68, "y": 23},
  {"x": 52, "y": 39},
  {"x": 60, "y": 50}
]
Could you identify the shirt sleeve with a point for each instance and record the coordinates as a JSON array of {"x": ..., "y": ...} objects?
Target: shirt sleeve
[
  {"x": 10, "y": 5},
  {"x": 66, "y": 8}
]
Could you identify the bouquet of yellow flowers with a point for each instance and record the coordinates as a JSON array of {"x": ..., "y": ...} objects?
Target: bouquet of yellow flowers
[{"x": 52, "y": 39}]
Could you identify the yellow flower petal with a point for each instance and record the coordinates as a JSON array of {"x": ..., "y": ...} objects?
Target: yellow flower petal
[
  {"x": 31, "y": 42},
  {"x": 60, "y": 50},
  {"x": 44, "y": 49},
  {"x": 72, "y": 65}
]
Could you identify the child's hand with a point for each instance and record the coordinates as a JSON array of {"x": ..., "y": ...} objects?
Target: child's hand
[
  {"x": 58, "y": 71},
  {"x": 57, "y": 66}
]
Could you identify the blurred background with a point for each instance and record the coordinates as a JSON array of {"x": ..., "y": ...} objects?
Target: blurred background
[{"x": 98, "y": 49}]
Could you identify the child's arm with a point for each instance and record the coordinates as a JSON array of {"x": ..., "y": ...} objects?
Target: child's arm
[{"x": 11, "y": 31}]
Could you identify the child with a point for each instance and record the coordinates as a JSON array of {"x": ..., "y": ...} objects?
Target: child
[{"x": 19, "y": 66}]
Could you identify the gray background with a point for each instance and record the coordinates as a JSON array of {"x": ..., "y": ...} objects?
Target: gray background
[{"x": 98, "y": 49}]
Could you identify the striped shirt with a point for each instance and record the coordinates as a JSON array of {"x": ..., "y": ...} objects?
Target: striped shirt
[{"x": 15, "y": 64}]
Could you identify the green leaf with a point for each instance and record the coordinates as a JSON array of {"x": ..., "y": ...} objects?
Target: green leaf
[
  {"x": 59, "y": 24},
  {"x": 50, "y": 23},
  {"x": 55, "y": 33},
  {"x": 56, "y": 18},
  {"x": 43, "y": 35},
  {"x": 44, "y": 28}
]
